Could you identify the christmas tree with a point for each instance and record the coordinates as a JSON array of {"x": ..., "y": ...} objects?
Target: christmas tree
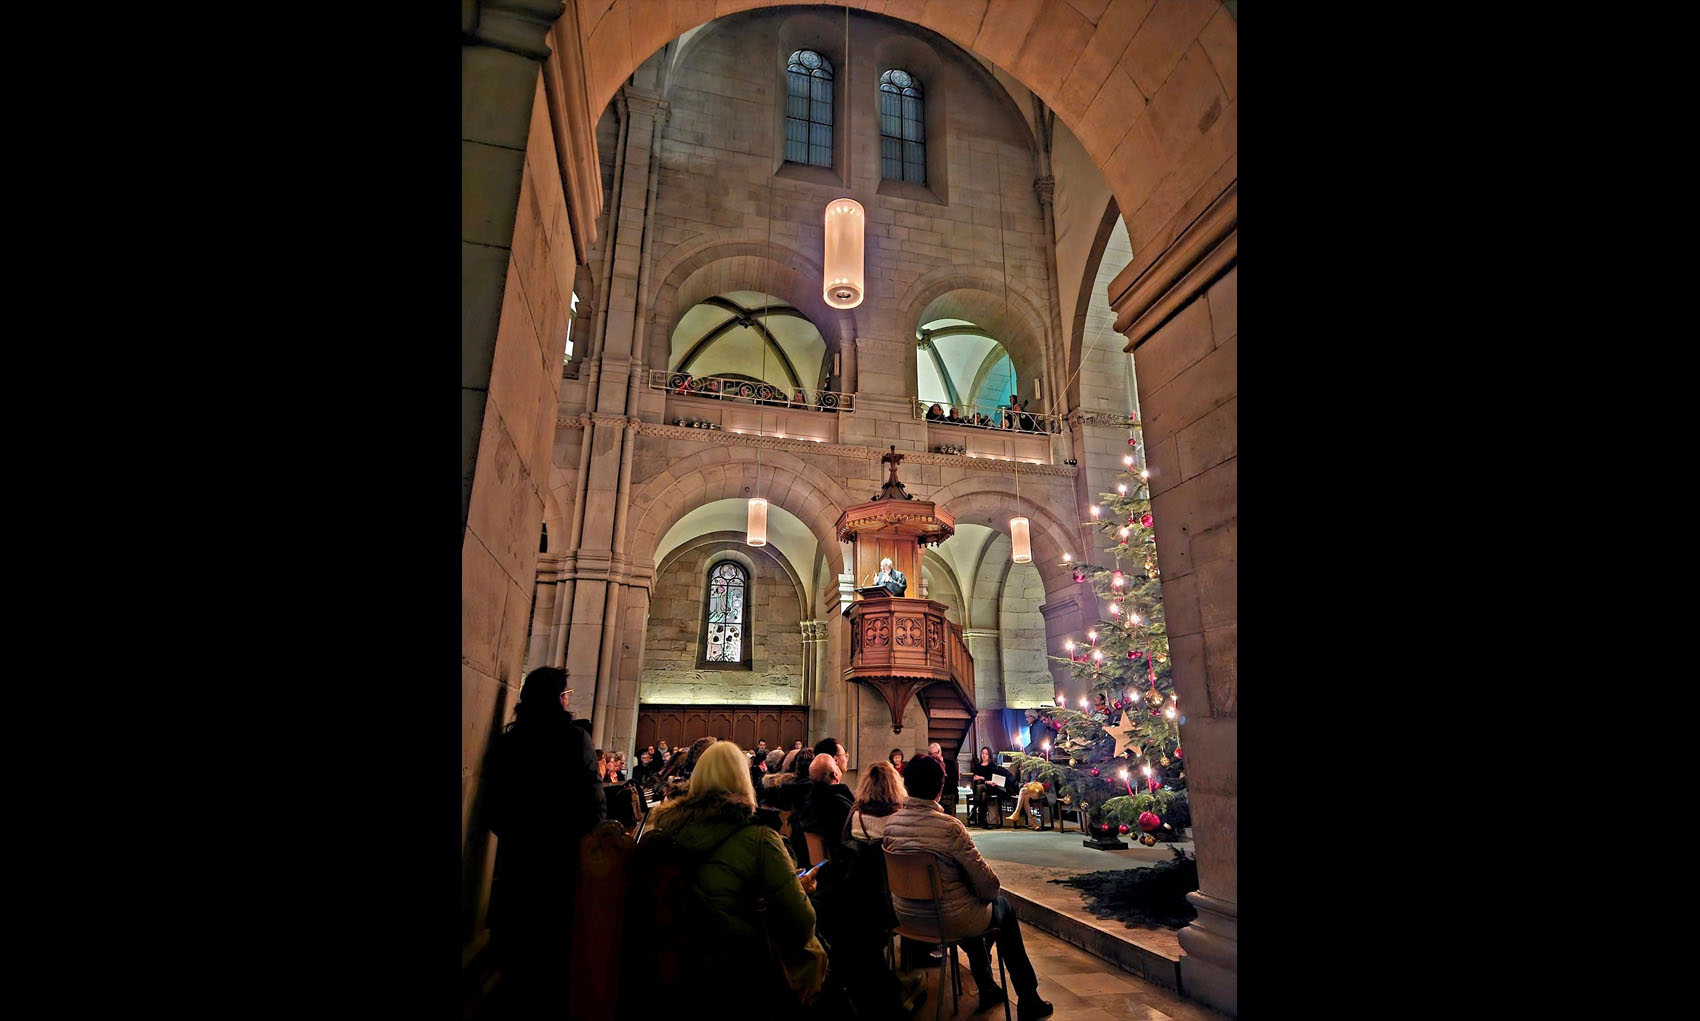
[{"x": 1117, "y": 756}]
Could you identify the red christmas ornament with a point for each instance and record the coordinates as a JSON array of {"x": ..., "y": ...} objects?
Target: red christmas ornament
[
  {"x": 1132, "y": 442},
  {"x": 1122, "y": 827},
  {"x": 1149, "y": 821},
  {"x": 1094, "y": 770},
  {"x": 1079, "y": 576},
  {"x": 1152, "y": 783},
  {"x": 1044, "y": 785},
  {"x": 1177, "y": 751},
  {"x": 1145, "y": 520},
  {"x": 1132, "y": 655}
]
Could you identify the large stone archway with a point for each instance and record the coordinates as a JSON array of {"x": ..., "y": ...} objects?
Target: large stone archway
[
  {"x": 722, "y": 472},
  {"x": 1151, "y": 92}
]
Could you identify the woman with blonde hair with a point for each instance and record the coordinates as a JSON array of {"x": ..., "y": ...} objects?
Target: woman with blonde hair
[
  {"x": 734, "y": 863},
  {"x": 880, "y": 794}
]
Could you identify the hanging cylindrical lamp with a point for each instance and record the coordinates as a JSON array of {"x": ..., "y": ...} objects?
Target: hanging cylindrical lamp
[
  {"x": 757, "y": 525},
  {"x": 1020, "y": 541},
  {"x": 843, "y": 282}
]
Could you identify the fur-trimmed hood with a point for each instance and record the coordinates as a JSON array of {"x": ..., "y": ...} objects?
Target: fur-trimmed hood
[{"x": 700, "y": 823}]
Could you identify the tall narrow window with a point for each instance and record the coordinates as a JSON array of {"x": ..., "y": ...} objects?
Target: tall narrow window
[
  {"x": 808, "y": 109},
  {"x": 903, "y": 139},
  {"x": 726, "y": 588},
  {"x": 572, "y": 314}
]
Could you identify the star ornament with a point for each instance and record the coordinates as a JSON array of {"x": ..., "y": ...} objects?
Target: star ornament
[{"x": 1127, "y": 735}]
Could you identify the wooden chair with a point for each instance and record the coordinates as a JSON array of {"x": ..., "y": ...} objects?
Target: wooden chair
[
  {"x": 914, "y": 876},
  {"x": 817, "y": 848}
]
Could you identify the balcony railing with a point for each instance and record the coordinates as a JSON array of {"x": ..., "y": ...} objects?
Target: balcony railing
[
  {"x": 726, "y": 388},
  {"x": 1000, "y": 417}
]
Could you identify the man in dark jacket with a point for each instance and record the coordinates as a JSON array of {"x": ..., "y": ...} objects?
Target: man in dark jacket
[{"x": 541, "y": 796}]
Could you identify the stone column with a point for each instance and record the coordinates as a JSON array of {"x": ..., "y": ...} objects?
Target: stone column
[
  {"x": 988, "y": 666},
  {"x": 543, "y": 611},
  {"x": 816, "y": 689},
  {"x": 601, "y": 572},
  {"x": 1181, "y": 319}
]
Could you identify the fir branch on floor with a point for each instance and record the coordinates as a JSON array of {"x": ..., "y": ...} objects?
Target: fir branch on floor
[{"x": 1142, "y": 896}]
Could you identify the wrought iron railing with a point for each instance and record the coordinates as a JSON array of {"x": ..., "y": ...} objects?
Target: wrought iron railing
[
  {"x": 727, "y": 388},
  {"x": 1001, "y": 417}
]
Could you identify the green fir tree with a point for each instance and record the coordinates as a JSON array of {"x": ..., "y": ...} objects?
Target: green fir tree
[{"x": 1124, "y": 660}]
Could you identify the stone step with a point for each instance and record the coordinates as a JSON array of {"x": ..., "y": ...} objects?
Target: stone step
[{"x": 1153, "y": 954}]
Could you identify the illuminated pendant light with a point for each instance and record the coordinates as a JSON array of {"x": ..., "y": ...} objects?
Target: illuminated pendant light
[
  {"x": 843, "y": 281},
  {"x": 757, "y": 526},
  {"x": 1020, "y": 530},
  {"x": 1020, "y": 541}
]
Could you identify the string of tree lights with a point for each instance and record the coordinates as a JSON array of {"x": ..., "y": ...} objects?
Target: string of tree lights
[{"x": 1117, "y": 755}]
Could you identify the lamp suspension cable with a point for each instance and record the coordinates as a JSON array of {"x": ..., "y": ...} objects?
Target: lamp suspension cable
[
  {"x": 755, "y": 524},
  {"x": 1020, "y": 528}
]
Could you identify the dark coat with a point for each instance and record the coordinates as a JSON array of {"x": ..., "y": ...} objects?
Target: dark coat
[
  {"x": 826, "y": 808},
  {"x": 541, "y": 796}
]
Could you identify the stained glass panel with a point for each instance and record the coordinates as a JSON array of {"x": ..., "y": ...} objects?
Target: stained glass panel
[{"x": 726, "y": 587}]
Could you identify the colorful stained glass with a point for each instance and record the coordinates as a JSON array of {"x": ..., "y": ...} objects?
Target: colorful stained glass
[{"x": 726, "y": 588}]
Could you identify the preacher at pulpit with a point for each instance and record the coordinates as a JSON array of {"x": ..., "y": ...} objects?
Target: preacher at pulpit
[{"x": 890, "y": 578}]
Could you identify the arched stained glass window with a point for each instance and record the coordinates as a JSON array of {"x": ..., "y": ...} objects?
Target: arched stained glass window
[
  {"x": 808, "y": 109},
  {"x": 727, "y": 586},
  {"x": 903, "y": 139}
]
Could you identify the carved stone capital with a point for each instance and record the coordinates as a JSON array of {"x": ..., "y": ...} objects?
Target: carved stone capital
[
  {"x": 644, "y": 103},
  {"x": 813, "y": 630}
]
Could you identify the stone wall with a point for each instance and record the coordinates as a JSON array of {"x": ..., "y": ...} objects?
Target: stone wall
[
  {"x": 718, "y": 182},
  {"x": 673, "y": 638},
  {"x": 505, "y": 509}
]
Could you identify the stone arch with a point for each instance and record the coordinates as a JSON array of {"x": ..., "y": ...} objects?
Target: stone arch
[
  {"x": 1150, "y": 95},
  {"x": 745, "y": 556},
  {"x": 728, "y": 472},
  {"x": 994, "y": 507},
  {"x": 945, "y": 575},
  {"x": 1088, "y": 278},
  {"x": 958, "y": 292},
  {"x": 690, "y": 273}
]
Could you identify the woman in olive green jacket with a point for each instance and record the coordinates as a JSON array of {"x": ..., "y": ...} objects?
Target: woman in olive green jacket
[{"x": 737, "y": 861}]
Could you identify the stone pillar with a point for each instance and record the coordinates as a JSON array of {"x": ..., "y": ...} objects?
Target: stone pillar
[
  {"x": 618, "y": 716},
  {"x": 602, "y": 563},
  {"x": 537, "y": 653},
  {"x": 822, "y": 716},
  {"x": 1181, "y": 319},
  {"x": 988, "y": 667}
]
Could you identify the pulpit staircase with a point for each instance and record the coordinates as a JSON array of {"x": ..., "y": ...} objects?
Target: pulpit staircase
[{"x": 950, "y": 704}]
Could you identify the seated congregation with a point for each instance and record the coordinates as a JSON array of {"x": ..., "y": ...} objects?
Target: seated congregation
[{"x": 757, "y": 878}]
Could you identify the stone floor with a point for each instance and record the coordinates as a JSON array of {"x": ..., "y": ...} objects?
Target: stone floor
[{"x": 1081, "y": 987}]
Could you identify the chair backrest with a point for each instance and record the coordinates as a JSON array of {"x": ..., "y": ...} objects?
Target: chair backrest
[
  {"x": 912, "y": 875},
  {"x": 817, "y": 848}
]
